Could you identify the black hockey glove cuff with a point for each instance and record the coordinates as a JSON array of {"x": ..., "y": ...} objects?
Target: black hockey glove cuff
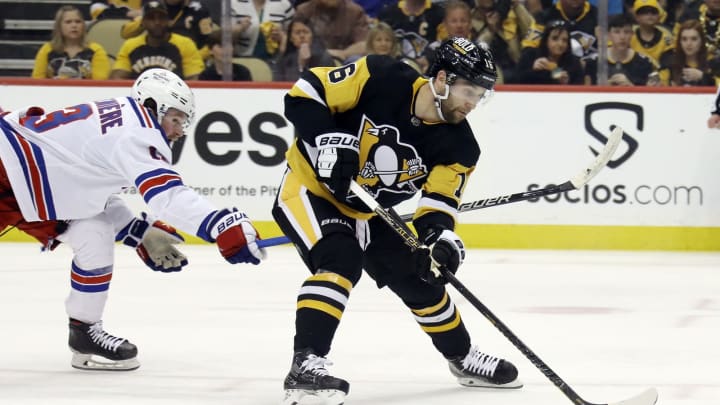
[
  {"x": 447, "y": 253},
  {"x": 337, "y": 162}
]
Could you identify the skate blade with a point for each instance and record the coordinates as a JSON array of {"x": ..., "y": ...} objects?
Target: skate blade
[
  {"x": 307, "y": 397},
  {"x": 480, "y": 383},
  {"x": 84, "y": 361}
]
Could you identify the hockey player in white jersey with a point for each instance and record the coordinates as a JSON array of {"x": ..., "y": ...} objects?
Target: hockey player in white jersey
[{"x": 59, "y": 175}]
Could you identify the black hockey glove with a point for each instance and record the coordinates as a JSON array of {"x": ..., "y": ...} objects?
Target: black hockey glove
[
  {"x": 447, "y": 253},
  {"x": 337, "y": 162}
]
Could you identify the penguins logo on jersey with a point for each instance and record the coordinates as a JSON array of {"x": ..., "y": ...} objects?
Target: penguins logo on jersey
[{"x": 390, "y": 165}]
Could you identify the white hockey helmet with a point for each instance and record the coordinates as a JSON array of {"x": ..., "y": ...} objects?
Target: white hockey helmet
[{"x": 160, "y": 89}]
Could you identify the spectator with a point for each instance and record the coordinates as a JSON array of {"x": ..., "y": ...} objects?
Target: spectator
[
  {"x": 676, "y": 8},
  {"x": 382, "y": 41},
  {"x": 341, "y": 26},
  {"x": 69, "y": 55},
  {"x": 157, "y": 47},
  {"x": 189, "y": 18},
  {"x": 708, "y": 13},
  {"x": 688, "y": 64},
  {"x": 115, "y": 9},
  {"x": 457, "y": 22},
  {"x": 552, "y": 62},
  {"x": 303, "y": 51},
  {"x": 215, "y": 65},
  {"x": 502, "y": 24},
  {"x": 625, "y": 66},
  {"x": 258, "y": 26},
  {"x": 415, "y": 23},
  {"x": 650, "y": 37},
  {"x": 582, "y": 19}
]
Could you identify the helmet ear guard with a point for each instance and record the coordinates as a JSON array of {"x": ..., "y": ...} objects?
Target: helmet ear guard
[
  {"x": 160, "y": 89},
  {"x": 461, "y": 58}
]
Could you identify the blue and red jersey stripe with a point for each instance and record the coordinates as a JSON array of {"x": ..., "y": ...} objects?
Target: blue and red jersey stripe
[{"x": 32, "y": 163}]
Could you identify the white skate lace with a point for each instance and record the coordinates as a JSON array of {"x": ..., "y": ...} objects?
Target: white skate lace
[
  {"x": 480, "y": 363},
  {"x": 104, "y": 339},
  {"x": 316, "y": 365}
]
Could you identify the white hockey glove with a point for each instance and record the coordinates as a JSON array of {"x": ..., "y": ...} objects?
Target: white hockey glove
[
  {"x": 338, "y": 161},
  {"x": 447, "y": 253},
  {"x": 153, "y": 242},
  {"x": 236, "y": 237}
]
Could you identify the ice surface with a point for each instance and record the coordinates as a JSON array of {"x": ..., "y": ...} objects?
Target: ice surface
[{"x": 611, "y": 324}]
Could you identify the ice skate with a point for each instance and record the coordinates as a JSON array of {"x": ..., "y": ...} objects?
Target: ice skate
[
  {"x": 95, "y": 349},
  {"x": 477, "y": 369},
  {"x": 309, "y": 377}
]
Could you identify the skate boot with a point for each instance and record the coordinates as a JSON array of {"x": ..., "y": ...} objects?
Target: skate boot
[
  {"x": 88, "y": 340},
  {"x": 477, "y": 369},
  {"x": 309, "y": 377}
]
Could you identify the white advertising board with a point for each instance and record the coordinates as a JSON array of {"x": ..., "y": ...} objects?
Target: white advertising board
[{"x": 663, "y": 174}]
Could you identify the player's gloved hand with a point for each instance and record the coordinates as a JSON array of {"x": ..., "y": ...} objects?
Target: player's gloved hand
[
  {"x": 153, "y": 242},
  {"x": 447, "y": 253},
  {"x": 236, "y": 237},
  {"x": 337, "y": 162}
]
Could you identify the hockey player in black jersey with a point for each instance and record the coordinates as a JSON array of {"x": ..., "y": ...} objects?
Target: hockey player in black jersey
[{"x": 396, "y": 133}]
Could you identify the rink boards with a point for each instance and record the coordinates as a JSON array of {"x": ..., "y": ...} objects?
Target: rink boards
[{"x": 660, "y": 190}]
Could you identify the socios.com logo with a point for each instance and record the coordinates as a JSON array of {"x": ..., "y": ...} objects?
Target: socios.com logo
[{"x": 601, "y": 118}]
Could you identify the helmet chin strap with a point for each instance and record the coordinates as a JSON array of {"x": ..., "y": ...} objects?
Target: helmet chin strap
[{"x": 439, "y": 98}]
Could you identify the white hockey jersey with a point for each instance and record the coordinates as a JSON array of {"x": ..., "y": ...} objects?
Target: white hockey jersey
[{"x": 65, "y": 164}]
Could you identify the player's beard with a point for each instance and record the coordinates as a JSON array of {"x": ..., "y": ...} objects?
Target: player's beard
[{"x": 452, "y": 115}]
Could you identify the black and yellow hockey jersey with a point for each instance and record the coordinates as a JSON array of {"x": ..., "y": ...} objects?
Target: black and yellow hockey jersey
[
  {"x": 178, "y": 55},
  {"x": 374, "y": 98},
  {"x": 661, "y": 43}
]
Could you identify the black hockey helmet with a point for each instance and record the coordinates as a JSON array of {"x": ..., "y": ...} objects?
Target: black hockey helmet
[{"x": 460, "y": 57}]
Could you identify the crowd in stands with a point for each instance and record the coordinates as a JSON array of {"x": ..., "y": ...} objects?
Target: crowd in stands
[{"x": 650, "y": 42}]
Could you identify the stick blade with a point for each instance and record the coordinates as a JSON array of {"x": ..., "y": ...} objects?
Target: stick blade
[
  {"x": 647, "y": 397},
  {"x": 601, "y": 159}
]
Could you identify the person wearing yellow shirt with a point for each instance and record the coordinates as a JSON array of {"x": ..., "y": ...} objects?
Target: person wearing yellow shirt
[
  {"x": 650, "y": 38},
  {"x": 158, "y": 47},
  {"x": 69, "y": 54},
  {"x": 186, "y": 17}
]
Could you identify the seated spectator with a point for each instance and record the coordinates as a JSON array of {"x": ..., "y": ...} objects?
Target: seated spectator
[
  {"x": 457, "y": 22},
  {"x": 69, "y": 55},
  {"x": 502, "y": 24},
  {"x": 650, "y": 37},
  {"x": 582, "y": 19},
  {"x": 552, "y": 62},
  {"x": 688, "y": 64},
  {"x": 115, "y": 9},
  {"x": 415, "y": 23},
  {"x": 708, "y": 13},
  {"x": 303, "y": 51},
  {"x": 157, "y": 48},
  {"x": 625, "y": 66},
  {"x": 341, "y": 26},
  {"x": 215, "y": 66},
  {"x": 382, "y": 41},
  {"x": 259, "y": 25},
  {"x": 188, "y": 18}
]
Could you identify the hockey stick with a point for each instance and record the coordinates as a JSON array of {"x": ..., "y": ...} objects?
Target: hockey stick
[
  {"x": 277, "y": 240},
  {"x": 575, "y": 183},
  {"x": 648, "y": 397}
]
